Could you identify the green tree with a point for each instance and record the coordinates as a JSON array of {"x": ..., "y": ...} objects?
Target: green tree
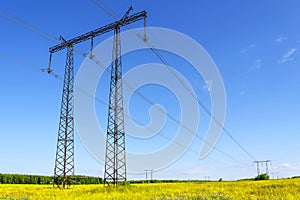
[{"x": 262, "y": 177}]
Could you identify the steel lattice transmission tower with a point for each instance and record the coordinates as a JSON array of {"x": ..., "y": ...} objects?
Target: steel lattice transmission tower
[
  {"x": 115, "y": 160},
  {"x": 115, "y": 166},
  {"x": 64, "y": 161}
]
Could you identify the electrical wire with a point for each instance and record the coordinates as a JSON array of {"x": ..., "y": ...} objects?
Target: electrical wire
[
  {"x": 35, "y": 30},
  {"x": 60, "y": 78},
  {"x": 161, "y": 110},
  {"x": 163, "y": 61},
  {"x": 26, "y": 64},
  {"x": 19, "y": 22}
]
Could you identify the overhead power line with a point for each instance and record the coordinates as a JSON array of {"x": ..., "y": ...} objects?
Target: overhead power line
[
  {"x": 81, "y": 90},
  {"x": 26, "y": 64},
  {"x": 163, "y": 61},
  {"x": 19, "y": 22},
  {"x": 48, "y": 36}
]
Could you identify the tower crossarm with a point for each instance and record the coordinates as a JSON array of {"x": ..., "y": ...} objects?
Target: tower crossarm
[{"x": 127, "y": 19}]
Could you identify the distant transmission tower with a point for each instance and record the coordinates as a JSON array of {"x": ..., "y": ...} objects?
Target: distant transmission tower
[
  {"x": 275, "y": 175},
  {"x": 151, "y": 174},
  {"x": 266, "y": 162}
]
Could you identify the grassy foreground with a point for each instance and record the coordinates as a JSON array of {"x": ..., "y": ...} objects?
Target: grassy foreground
[{"x": 272, "y": 189}]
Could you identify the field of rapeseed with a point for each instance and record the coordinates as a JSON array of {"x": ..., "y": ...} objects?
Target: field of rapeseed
[{"x": 271, "y": 189}]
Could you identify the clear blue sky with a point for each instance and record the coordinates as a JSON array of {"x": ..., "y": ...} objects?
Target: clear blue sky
[{"x": 255, "y": 45}]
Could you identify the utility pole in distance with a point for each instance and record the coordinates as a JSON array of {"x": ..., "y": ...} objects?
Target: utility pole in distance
[
  {"x": 151, "y": 174},
  {"x": 275, "y": 175}
]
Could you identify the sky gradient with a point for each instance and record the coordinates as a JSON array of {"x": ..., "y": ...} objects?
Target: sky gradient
[{"x": 255, "y": 45}]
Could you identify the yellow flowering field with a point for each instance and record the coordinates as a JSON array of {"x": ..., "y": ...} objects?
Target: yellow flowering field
[{"x": 273, "y": 189}]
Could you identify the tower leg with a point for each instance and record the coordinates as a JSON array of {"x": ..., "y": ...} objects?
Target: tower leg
[
  {"x": 64, "y": 161},
  {"x": 115, "y": 160}
]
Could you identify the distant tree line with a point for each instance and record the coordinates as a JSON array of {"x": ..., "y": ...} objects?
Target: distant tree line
[
  {"x": 80, "y": 179},
  {"x": 76, "y": 180},
  {"x": 37, "y": 179},
  {"x": 166, "y": 181}
]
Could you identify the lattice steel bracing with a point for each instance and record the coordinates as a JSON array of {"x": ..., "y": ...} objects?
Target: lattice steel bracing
[
  {"x": 115, "y": 161},
  {"x": 115, "y": 167},
  {"x": 64, "y": 161}
]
